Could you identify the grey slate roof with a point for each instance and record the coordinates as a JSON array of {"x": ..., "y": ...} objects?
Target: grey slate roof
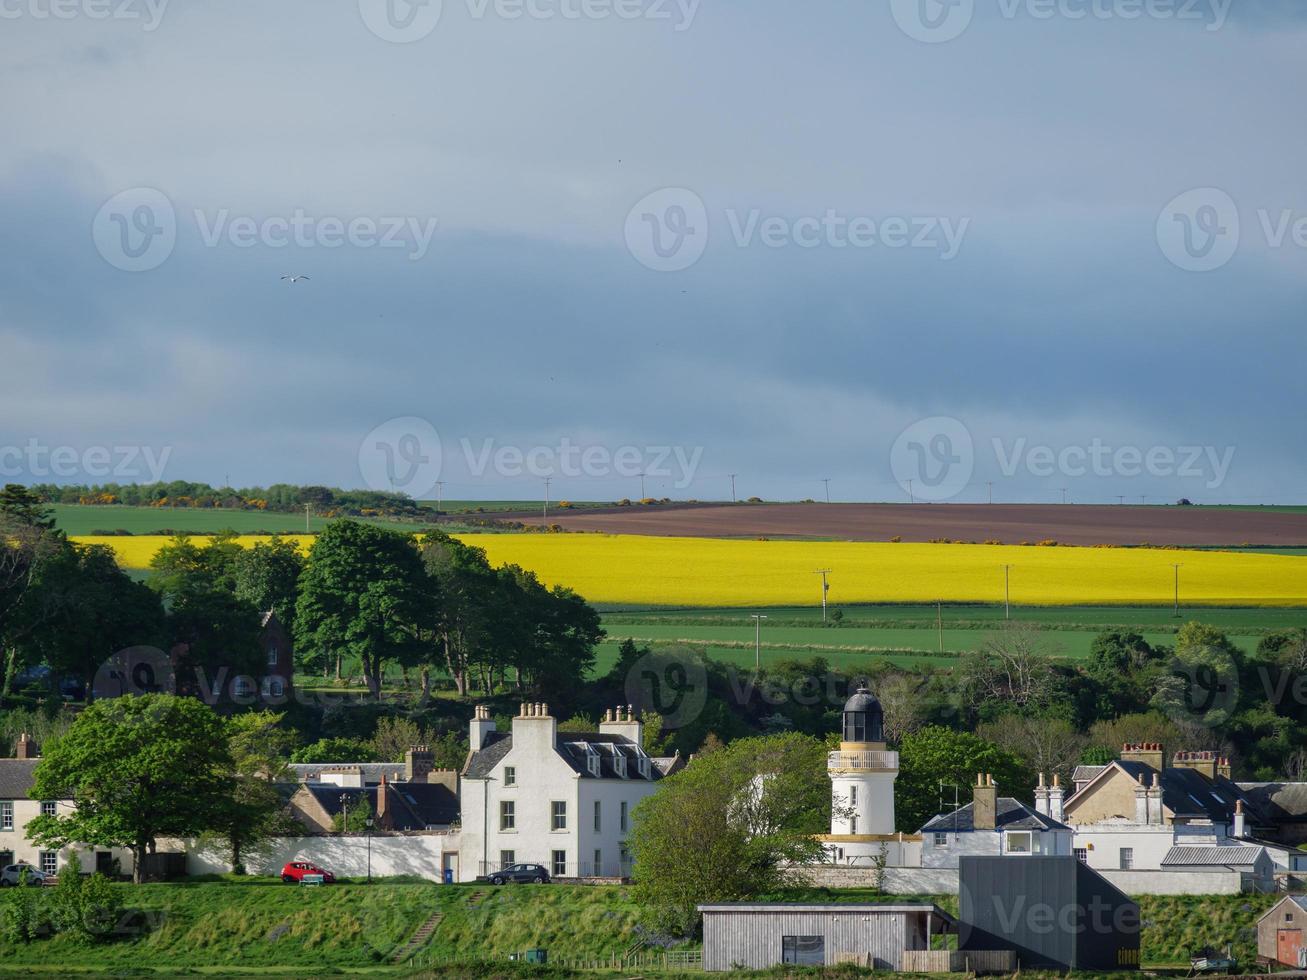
[
  {"x": 16, "y": 778},
  {"x": 1083, "y": 774},
  {"x": 572, "y": 748},
  {"x": 1188, "y": 793},
  {"x": 1218, "y": 857},
  {"x": 1010, "y": 815},
  {"x": 413, "y": 806},
  {"x": 1278, "y": 802}
]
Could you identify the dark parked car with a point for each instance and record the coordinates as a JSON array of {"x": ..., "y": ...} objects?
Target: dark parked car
[{"x": 518, "y": 874}]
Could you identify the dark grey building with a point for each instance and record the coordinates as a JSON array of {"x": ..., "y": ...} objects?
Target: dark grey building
[
  {"x": 1053, "y": 912},
  {"x": 757, "y": 936}
]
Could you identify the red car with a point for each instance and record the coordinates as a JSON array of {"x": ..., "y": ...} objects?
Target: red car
[{"x": 294, "y": 871}]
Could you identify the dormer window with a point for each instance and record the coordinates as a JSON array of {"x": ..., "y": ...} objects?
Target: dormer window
[
  {"x": 644, "y": 767},
  {"x": 591, "y": 759},
  {"x": 619, "y": 764}
]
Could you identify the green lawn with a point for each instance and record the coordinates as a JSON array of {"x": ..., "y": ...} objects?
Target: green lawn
[
  {"x": 908, "y": 635},
  {"x": 263, "y": 926},
  {"x": 259, "y": 927}
]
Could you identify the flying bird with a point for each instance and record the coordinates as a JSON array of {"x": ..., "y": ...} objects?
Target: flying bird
[{"x": 294, "y": 278}]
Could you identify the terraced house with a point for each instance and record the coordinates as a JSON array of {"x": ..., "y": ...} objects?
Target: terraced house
[
  {"x": 562, "y": 800},
  {"x": 18, "y": 807}
]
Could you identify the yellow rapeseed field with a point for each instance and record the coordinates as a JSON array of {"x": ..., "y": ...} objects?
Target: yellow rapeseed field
[{"x": 714, "y": 572}]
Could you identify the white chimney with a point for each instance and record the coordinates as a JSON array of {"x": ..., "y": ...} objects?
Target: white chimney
[
  {"x": 535, "y": 722},
  {"x": 624, "y": 722},
  {"x": 1041, "y": 796},
  {"x": 1141, "y": 801},
  {"x": 1240, "y": 820},
  {"x": 1155, "y": 801},
  {"x": 481, "y": 726},
  {"x": 1056, "y": 796}
]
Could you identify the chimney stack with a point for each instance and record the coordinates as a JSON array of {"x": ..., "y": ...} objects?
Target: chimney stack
[
  {"x": 623, "y": 721},
  {"x": 382, "y": 790},
  {"x": 1149, "y": 753},
  {"x": 535, "y": 722},
  {"x": 1056, "y": 798},
  {"x": 1155, "y": 816},
  {"x": 1240, "y": 820},
  {"x": 1203, "y": 762},
  {"x": 984, "y": 810},
  {"x": 480, "y": 728},
  {"x": 26, "y": 748},
  {"x": 1041, "y": 796},
  {"x": 418, "y": 763},
  {"x": 1141, "y": 801}
]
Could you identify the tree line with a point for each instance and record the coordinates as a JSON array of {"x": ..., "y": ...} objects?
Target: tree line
[{"x": 363, "y": 594}]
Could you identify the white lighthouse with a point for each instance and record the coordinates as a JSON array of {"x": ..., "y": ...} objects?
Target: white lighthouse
[{"x": 862, "y": 775}]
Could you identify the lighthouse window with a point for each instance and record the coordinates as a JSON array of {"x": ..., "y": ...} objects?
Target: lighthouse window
[
  {"x": 853, "y": 796},
  {"x": 859, "y": 727}
]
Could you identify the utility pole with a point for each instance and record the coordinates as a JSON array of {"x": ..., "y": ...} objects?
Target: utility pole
[
  {"x": 548, "y": 480},
  {"x": 733, "y": 476},
  {"x": 939, "y": 622},
  {"x": 642, "y": 485},
  {"x": 1177, "y": 590},
  {"x": 990, "y": 485},
  {"x": 827, "y": 482},
  {"x": 1143, "y": 497},
  {"x": 757, "y": 641},
  {"x": 306, "y": 518},
  {"x": 1007, "y": 591},
  {"x": 911, "y": 499},
  {"x": 1120, "y": 499},
  {"x": 825, "y": 587},
  {"x": 1064, "y": 490}
]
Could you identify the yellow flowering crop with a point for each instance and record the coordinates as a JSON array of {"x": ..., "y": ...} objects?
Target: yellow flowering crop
[{"x": 636, "y": 569}]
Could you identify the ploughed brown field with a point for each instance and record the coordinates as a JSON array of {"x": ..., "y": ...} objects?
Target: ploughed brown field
[{"x": 1007, "y": 523}]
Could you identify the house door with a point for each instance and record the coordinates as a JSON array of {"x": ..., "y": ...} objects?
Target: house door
[
  {"x": 1287, "y": 944},
  {"x": 449, "y": 862}
]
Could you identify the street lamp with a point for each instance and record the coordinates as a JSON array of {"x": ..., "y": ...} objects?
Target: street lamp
[
  {"x": 344, "y": 809},
  {"x": 368, "y": 824}
]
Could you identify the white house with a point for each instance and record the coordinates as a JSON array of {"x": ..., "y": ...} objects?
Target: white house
[
  {"x": 562, "y": 800},
  {"x": 997, "y": 825},
  {"x": 18, "y": 807}
]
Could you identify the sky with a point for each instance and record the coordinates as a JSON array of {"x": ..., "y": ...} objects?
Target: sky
[{"x": 942, "y": 250}]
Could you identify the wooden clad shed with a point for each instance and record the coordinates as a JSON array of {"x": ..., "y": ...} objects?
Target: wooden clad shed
[
  {"x": 759, "y": 936},
  {"x": 1281, "y": 930}
]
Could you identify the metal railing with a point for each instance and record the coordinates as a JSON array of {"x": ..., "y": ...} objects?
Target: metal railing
[{"x": 868, "y": 759}]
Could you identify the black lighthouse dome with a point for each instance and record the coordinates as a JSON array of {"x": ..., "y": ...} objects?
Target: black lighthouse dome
[{"x": 864, "y": 721}]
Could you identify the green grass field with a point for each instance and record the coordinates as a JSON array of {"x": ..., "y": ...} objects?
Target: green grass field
[
  {"x": 244, "y": 927},
  {"x": 909, "y": 635},
  {"x": 85, "y": 519}
]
